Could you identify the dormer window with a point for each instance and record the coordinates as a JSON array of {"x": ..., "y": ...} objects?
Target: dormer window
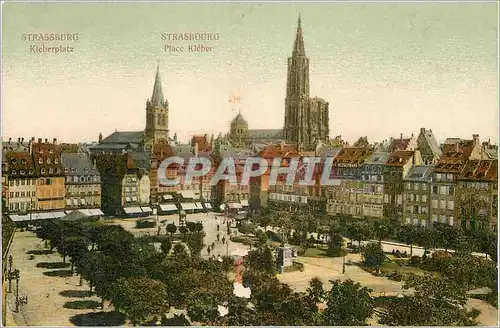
[
  {"x": 58, "y": 171},
  {"x": 51, "y": 151},
  {"x": 30, "y": 172},
  {"x": 42, "y": 170},
  {"x": 66, "y": 170},
  {"x": 41, "y": 151},
  {"x": 23, "y": 172},
  {"x": 23, "y": 161},
  {"x": 73, "y": 170},
  {"x": 14, "y": 172},
  {"x": 40, "y": 160},
  {"x": 14, "y": 161},
  {"x": 56, "y": 161},
  {"x": 51, "y": 170},
  {"x": 48, "y": 160}
]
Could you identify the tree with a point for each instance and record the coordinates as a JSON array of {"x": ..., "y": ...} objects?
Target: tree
[
  {"x": 382, "y": 229},
  {"x": 180, "y": 252},
  {"x": 246, "y": 228},
  {"x": 140, "y": 298},
  {"x": 447, "y": 237},
  {"x": 76, "y": 247},
  {"x": 191, "y": 226},
  {"x": 203, "y": 308},
  {"x": 373, "y": 255},
  {"x": 348, "y": 304},
  {"x": 198, "y": 227},
  {"x": 408, "y": 234},
  {"x": 171, "y": 228},
  {"x": 183, "y": 230},
  {"x": 166, "y": 246},
  {"x": 195, "y": 243},
  {"x": 315, "y": 291},
  {"x": 358, "y": 231},
  {"x": 437, "y": 301},
  {"x": 261, "y": 259},
  {"x": 239, "y": 313},
  {"x": 335, "y": 244}
]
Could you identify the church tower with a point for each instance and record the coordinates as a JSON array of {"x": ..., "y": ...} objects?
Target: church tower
[
  {"x": 297, "y": 92},
  {"x": 156, "y": 114}
]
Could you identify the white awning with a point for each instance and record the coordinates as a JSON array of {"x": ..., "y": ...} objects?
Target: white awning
[
  {"x": 244, "y": 202},
  {"x": 234, "y": 205},
  {"x": 208, "y": 205},
  {"x": 146, "y": 209},
  {"x": 96, "y": 211},
  {"x": 132, "y": 210},
  {"x": 168, "y": 207},
  {"x": 68, "y": 202},
  {"x": 188, "y": 206},
  {"x": 85, "y": 211},
  {"x": 59, "y": 214},
  {"x": 127, "y": 199},
  {"x": 45, "y": 215},
  {"x": 187, "y": 194},
  {"x": 168, "y": 197},
  {"x": 198, "y": 206}
]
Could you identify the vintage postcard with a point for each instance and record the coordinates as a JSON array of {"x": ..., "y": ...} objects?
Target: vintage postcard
[{"x": 249, "y": 163}]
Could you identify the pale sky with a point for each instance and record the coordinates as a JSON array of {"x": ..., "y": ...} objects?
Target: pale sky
[{"x": 385, "y": 68}]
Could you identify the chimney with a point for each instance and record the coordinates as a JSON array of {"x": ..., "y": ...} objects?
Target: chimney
[
  {"x": 39, "y": 140},
  {"x": 32, "y": 139},
  {"x": 46, "y": 140},
  {"x": 422, "y": 130},
  {"x": 18, "y": 140},
  {"x": 54, "y": 141},
  {"x": 22, "y": 140},
  {"x": 401, "y": 136},
  {"x": 10, "y": 139}
]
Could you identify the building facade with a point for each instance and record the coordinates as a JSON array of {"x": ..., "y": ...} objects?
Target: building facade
[
  {"x": 83, "y": 182},
  {"x": 372, "y": 175},
  {"x": 417, "y": 195}
]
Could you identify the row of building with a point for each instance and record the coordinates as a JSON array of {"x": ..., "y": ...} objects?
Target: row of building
[{"x": 412, "y": 180}]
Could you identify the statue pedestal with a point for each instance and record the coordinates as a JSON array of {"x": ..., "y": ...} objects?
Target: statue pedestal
[{"x": 285, "y": 256}]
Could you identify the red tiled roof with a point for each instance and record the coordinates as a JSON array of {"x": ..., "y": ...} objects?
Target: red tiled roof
[
  {"x": 353, "y": 155},
  {"x": 399, "y": 144},
  {"x": 480, "y": 170},
  {"x": 399, "y": 158},
  {"x": 454, "y": 156}
]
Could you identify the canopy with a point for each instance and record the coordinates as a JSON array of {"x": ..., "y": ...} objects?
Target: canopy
[
  {"x": 132, "y": 210},
  {"x": 187, "y": 194},
  {"x": 188, "y": 206},
  {"x": 168, "y": 207},
  {"x": 146, "y": 209},
  {"x": 244, "y": 202},
  {"x": 234, "y": 205}
]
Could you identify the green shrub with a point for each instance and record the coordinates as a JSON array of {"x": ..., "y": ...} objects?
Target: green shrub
[{"x": 142, "y": 224}]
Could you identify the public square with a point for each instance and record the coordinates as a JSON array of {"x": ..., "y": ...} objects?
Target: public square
[{"x": 51, "y": 291}]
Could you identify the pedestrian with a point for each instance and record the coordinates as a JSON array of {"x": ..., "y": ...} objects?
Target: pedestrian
[
  {"x": 218, "y": 237},
  {"x": 208, "y": 250},
  {"x": 213, "y": 245},
  {"x": 218, "y": 227},
  {"x": 223, "y": 240}
]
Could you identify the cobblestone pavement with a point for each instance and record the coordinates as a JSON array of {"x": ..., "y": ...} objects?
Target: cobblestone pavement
[{"x": 45, "y": 305}]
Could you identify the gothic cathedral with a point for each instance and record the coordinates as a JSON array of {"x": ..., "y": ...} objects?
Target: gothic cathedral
[
  {"x": 156, "y": 114},
  {"x": 306, "y": 119}
]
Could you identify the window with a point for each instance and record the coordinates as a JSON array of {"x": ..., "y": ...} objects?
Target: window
[
  {"x": 56, "y": 160},
  {"x": 442, "y": 204},
  {"x": 48, "y": 161},
  {"x": 434, "y": 203},
  {"x": 451, "y": 220},
  {"x": 443, "y": 219},
  {"x": 48, "y": 181},
  {"x": 424, "y": 198},
  {"x": 17, "y": 194},
  {"x": 42, "y": 170},
  {"x": 22, "y": 193},
  {"x": 11, "y": 183},
  {"x": 40, "y": 160},
  {"x": 451, "y": 190},
  {"x": 408, "y": 186},
  {"x": 415, "y": 186},
  {"x": 434, "y": 218},
  {"x": 51, "y": 151},
  {"x": 23, "y": 172},
  {"x": 32, "y": 194},
  {"x": 434, "y": 190},
  {"x": 451, "y": 205},
  {"x": 443, "y": 190},
  {"x": 424, "y": 209},
  {"x": 11, "y": 194},
  {"x": 51, "y": 170}
]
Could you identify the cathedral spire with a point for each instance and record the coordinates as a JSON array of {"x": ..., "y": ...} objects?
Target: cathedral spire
[
  {"x": 298, "y": 47},
  {"x": 157, "y": 97}
]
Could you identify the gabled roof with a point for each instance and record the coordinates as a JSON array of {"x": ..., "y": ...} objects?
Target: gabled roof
[
  {"x": 454, "y": 156},
  {"x": 239, "y": 120},
  {"x": 431, "y": 141},
  {"x": 124, "y": 137},
  {"x": 400, "y": 144},
  {"x": 480, "y": 170}
]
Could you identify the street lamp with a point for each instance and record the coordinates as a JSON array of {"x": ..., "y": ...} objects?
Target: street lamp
[
  {"x": 10, "y": 274},
  {"x": 20, "y": 300},
  {"x": 343, "y": 264},
  {"x": 227, "y": 248}
]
